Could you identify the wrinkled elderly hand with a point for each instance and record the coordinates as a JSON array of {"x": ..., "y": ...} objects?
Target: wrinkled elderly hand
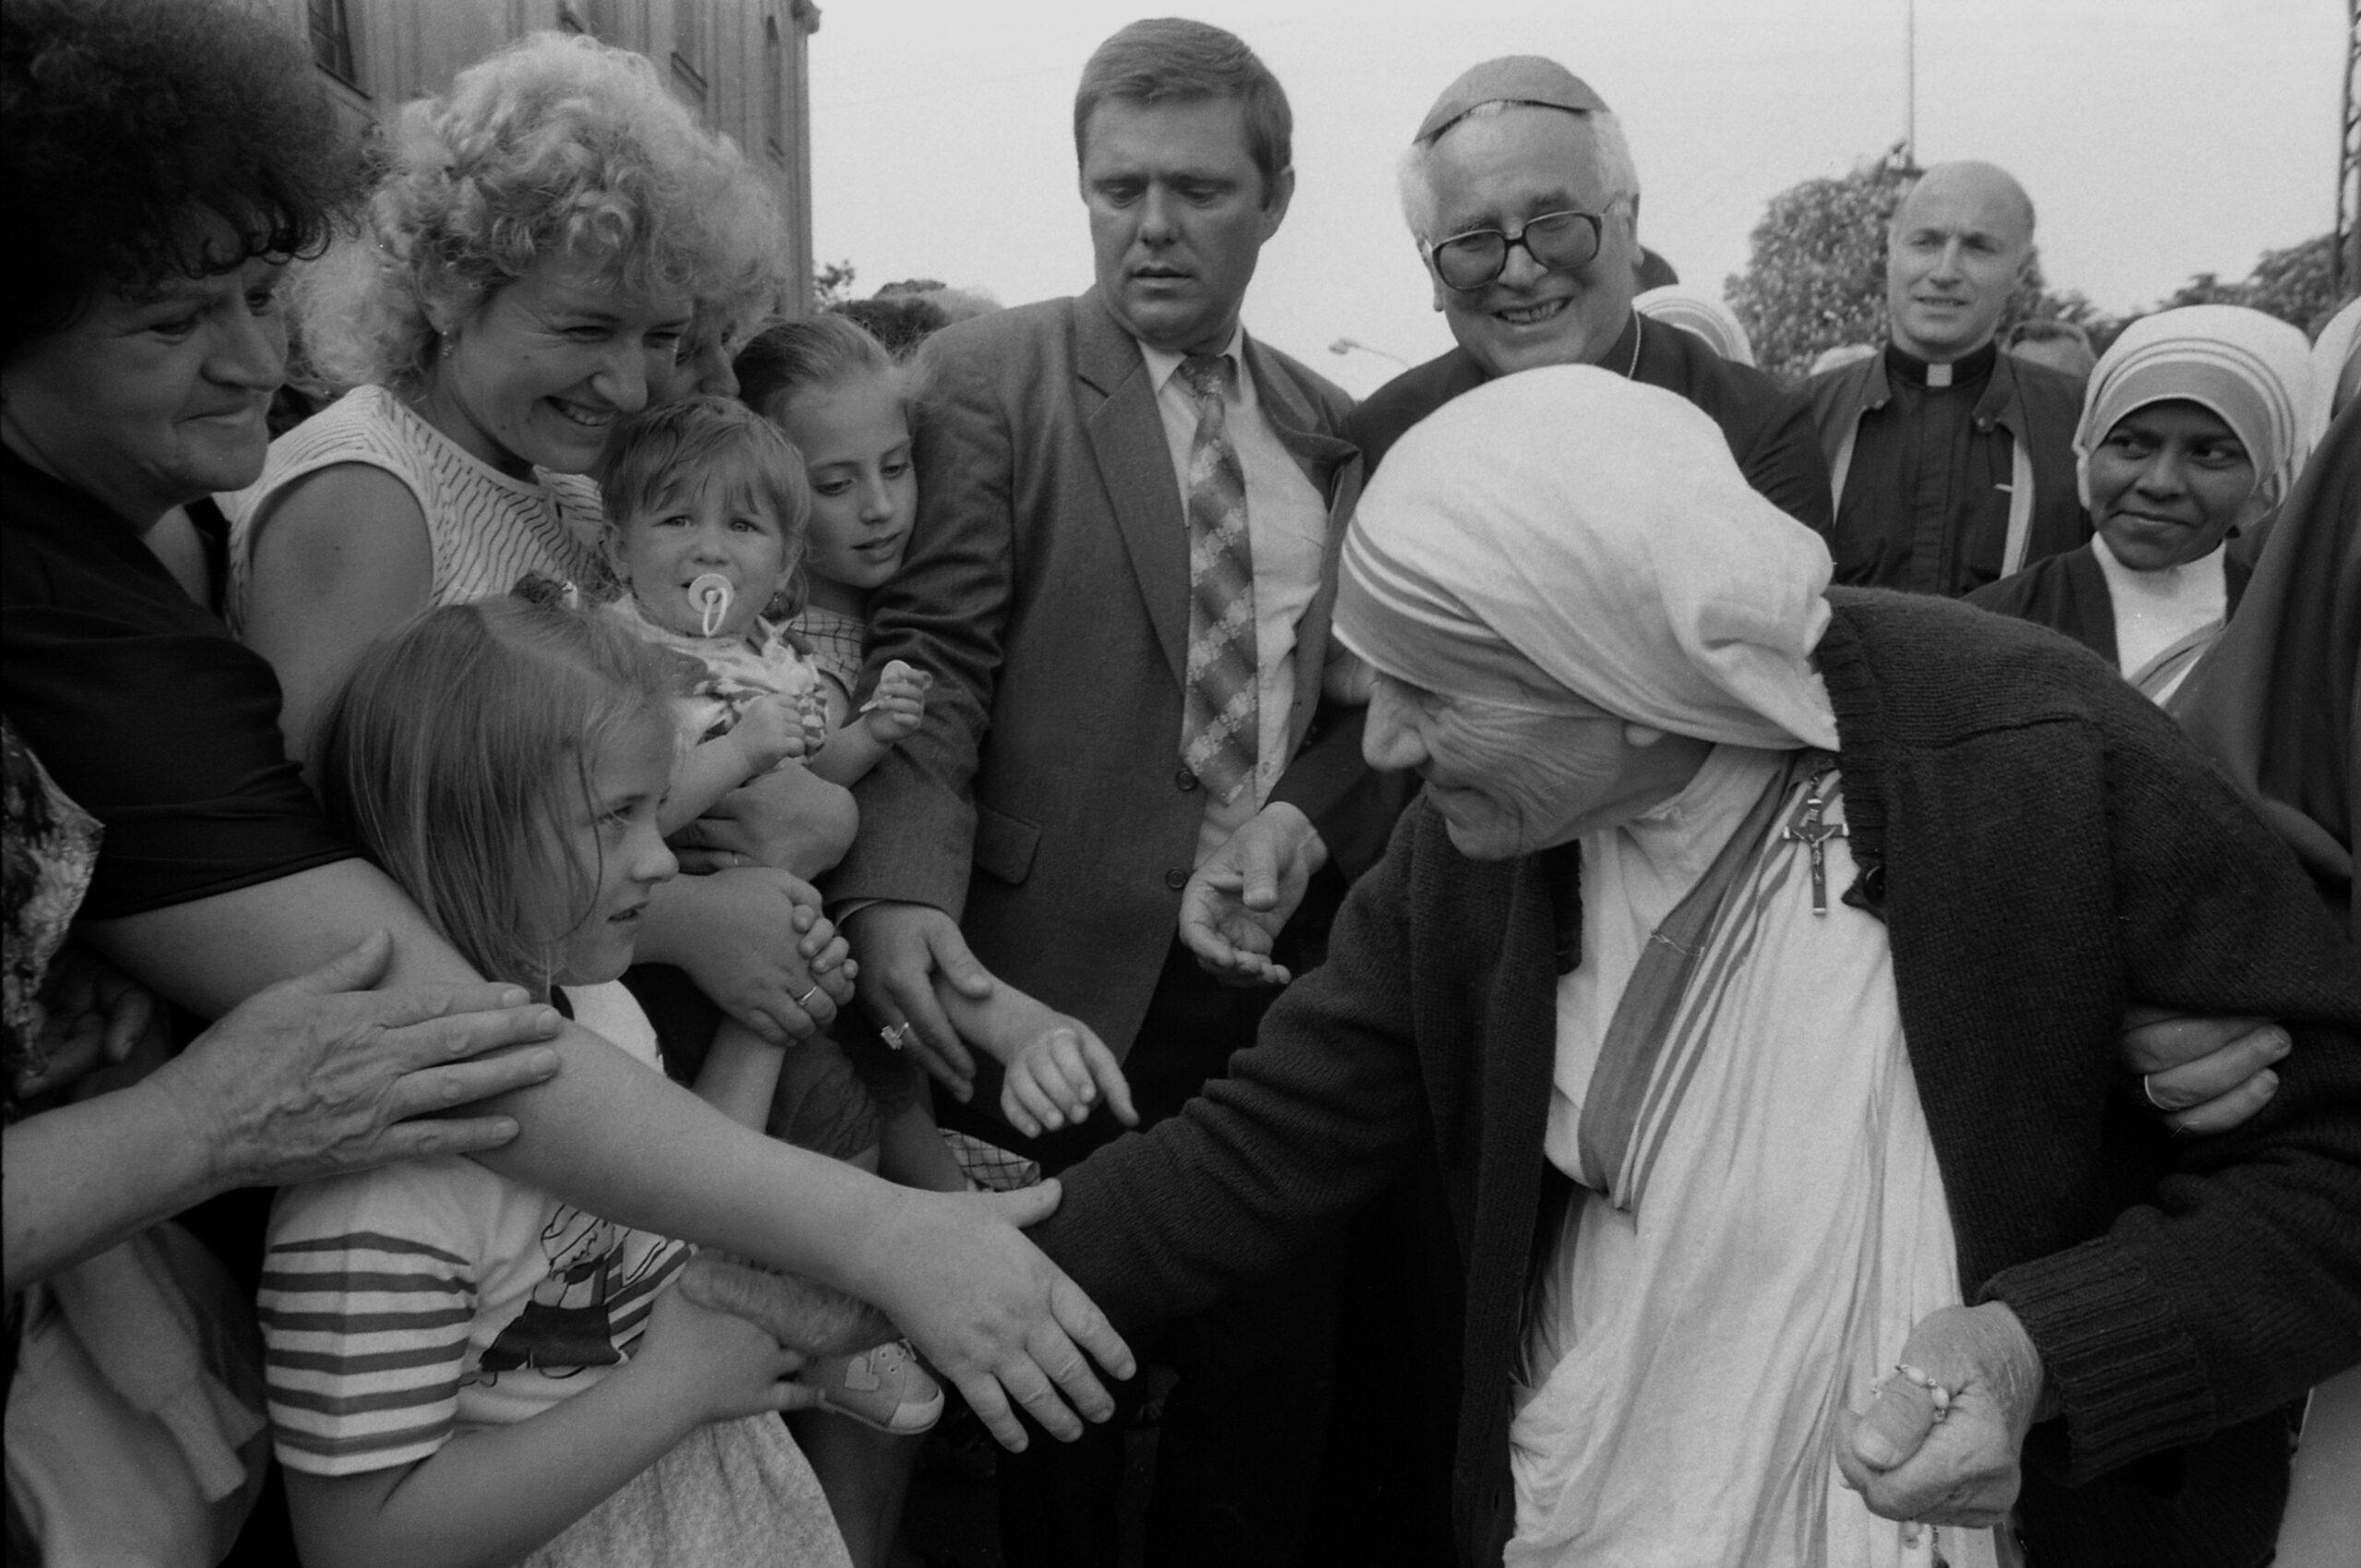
[
  {"x": 1236, "y": 904},
  {"x": 1960, "y": 1469},
  {"x": 2200, "y": 1075},
  {"x": 755, "y": 942},
  {"x": 322, "y": 1074},
  {"x": 993, "y": 1315}
]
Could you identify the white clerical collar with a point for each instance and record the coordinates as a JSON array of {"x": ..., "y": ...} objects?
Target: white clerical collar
[{"x": 2203, "y": 576}]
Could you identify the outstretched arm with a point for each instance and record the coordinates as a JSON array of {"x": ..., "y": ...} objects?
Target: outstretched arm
[{"x": 617, "y": 1140}]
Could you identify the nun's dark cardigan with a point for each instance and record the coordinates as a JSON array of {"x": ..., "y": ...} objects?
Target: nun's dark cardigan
[{"x": 2043, "y": 846}]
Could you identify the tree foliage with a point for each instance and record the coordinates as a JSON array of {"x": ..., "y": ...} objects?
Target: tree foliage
[
  {"x": 831, "y": 284},
  {"x": 2297, "y": 285},
  {"x": 1815, "y": 272}
]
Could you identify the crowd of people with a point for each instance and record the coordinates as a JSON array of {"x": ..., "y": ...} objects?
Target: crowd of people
[{"x": 660, "y": 879}]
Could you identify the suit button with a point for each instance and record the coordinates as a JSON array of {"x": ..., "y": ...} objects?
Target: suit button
[
  {"x": 1175, "y": 878},
  {"x": 1185, "y": 781}
]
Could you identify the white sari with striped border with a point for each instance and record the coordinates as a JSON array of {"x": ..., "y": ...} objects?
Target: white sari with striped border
[{"x": 1751, "y": 1276}]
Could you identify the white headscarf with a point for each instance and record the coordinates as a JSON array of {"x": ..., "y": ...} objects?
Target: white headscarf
[
  {"x": 1564, "y": 529},
  {"x": 2336, "y": 357},
  {"x": 2253, "y": 370},
  {"x": 1694, "y": 310}
]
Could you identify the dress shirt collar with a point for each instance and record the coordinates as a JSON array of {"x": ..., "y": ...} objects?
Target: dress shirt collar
[{"x": 1163, "y": 365}]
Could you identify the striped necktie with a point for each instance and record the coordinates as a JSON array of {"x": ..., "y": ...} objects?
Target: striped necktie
[{"x": 1218, "y": 722}]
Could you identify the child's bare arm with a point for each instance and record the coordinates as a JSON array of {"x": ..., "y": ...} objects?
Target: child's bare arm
[
  {"x": 850, "y": 752},
  {"x": 893, "y": 712},
  {"x": 911, "y": 1150},
  {"x": 768, "y": 732},
  {"x": 740, "y": 1075},
  {"x": 494, "y": 1494}
]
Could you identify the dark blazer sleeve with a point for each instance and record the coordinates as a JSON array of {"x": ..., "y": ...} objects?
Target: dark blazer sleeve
[
  {"x": 1302, "y": 1130},
  {"x": 2239, "y": 1285},
  {"x": 1785, "y": 464},
  {"x": 945, "y": 612}
]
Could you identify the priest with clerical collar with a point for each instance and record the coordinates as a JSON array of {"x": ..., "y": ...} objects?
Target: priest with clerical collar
[
  {"x": 1950, "y": 463},
  {"x": 1524, "y": 202}
]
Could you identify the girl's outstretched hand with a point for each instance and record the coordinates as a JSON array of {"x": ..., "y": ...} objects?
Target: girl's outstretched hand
[
  {"x": 1058, "y": 1078},
  {"x": 993, "y": 1315}
]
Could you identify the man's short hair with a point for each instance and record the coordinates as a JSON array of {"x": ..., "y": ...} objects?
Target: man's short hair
[
  {"x": 1618, "y": 177},
  {"x": 1172, "y": 60}
]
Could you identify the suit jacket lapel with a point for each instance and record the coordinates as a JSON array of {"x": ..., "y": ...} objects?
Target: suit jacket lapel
[{"x": 1135, "y": 463}]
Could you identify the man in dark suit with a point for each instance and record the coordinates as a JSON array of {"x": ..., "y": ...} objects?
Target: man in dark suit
[{"x": 1120, "y": 578}]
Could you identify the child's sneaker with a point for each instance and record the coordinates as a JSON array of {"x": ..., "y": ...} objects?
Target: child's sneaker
[{"x": 883, "y": 1387}]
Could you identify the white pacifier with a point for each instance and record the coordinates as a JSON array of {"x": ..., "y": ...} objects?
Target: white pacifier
[{"x": 711, "y": 594}]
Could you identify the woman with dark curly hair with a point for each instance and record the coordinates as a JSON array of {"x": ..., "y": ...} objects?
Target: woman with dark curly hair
[
  {"x": 139, "y": 385},
  {"x": 164, "y": 161}
]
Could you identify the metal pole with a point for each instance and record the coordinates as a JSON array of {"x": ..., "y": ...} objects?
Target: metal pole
[
  {"x": 2348, "y": 160},
  {"x": 1910, "y": 81}
]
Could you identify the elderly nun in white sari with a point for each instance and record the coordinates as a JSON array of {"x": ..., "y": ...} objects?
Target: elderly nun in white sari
[
  {"x": 2194, "y": 425},
  {"x": 1765, "y": 1225},
  {"x": 1699, "y": 837}
]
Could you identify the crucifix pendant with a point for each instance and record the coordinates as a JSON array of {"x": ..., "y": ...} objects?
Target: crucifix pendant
[{"x": 1809, "y": 828}]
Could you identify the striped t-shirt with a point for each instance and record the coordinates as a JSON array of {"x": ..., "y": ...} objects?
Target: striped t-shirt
[
  {"x": 401, "y": 1304},
  {"x": 486, "y": 528}
]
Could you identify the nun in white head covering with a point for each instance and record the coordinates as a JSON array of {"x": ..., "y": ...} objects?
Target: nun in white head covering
[
  {"x": 1617, "y": 654},
  {"x": 1631, "y": 979},
  {"x": 2336, "y": 367},
  {"x": 2194, "y": 425},
  {"x": 1693, "y": 310}
]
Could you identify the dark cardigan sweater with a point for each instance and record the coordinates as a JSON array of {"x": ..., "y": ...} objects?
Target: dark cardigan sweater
[{"x": 2045, "y": 847}]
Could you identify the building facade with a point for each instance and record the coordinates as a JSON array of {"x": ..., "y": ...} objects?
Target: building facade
[{"x": 741, "y": 65}]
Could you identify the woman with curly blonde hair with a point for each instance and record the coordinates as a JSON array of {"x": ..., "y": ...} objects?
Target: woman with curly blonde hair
[
  {"x": 544, "y": 240},
  {"x": 537, "y": 251}
]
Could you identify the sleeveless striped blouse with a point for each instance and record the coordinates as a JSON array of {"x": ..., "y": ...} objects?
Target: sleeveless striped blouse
[{"x": 486, "y": 528}]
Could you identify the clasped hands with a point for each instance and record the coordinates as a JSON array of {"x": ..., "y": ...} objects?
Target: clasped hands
[{"x": 1947, "y": 1459}]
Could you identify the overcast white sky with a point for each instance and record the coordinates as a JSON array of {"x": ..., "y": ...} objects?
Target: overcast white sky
[{"x": 2158, "y": 138}]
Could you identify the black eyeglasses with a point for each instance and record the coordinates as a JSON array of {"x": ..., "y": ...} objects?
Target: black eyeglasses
[{"x": 1558, "y": 241}]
